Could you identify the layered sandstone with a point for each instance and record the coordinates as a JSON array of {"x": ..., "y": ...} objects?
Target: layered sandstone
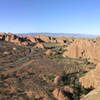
[
  {"x": 59, "y": 94},
  {"x": 32, "y": 39},
  {"x": 39, "y": 45},
  {"x": 57, "y": 80},
  {"x": 93, "y": 95},
  {"x": 84, "y": 48},
  {"x": 44, "y": 38},
  {"x": 92, "y": 78},
  {"x": 15, "y": 39},
  {"x": 61, "y": 40}
]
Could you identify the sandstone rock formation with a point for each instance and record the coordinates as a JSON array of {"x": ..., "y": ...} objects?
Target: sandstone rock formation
[
  {"x": 39, "y": 45},
  {"x": 64, "y": 39},
  {"x": 92, "y": 78},
  {"x": 15, "y": 39},
  {"x": 57, "y": 80},
  {"x": 44, "y": 38},
  {"x": 49, "y": 52},
  {"x": 32, "y": 39},
  {"x": 59, "y": 94},
  {"x": 28, "y": 40},
  {"x": 68, "y": 89},
  {"x": 61, "y": 40},
  {"x": 14, "y": 49},
  {"x": 6, "y": 53},
  {"x": 93, "y": 95},
  {"x": 84, "y": 48}
]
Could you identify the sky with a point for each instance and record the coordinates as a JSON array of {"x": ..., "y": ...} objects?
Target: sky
[{"x": 66, "y": 16}]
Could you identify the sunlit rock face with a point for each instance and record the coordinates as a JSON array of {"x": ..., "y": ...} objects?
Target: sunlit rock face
[
  {"x": 92, "y": 78},
  {"x": 84, "y": 48},
  {"x": 93, "y": 95},
  {"x": 21, "y": 40}
]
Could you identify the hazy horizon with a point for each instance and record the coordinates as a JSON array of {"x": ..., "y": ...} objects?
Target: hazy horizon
[{"x": 60, "y": 33}]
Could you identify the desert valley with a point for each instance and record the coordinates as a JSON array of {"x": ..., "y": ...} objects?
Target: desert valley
[{"x": 45, "y": 67}]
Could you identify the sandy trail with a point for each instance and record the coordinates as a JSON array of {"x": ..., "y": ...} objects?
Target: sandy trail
[{"x": 18, "y": 67}]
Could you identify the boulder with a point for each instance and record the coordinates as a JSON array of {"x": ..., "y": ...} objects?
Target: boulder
[
  {"x": 39, "y": 45},
  {"x": 49, "y": 52},
  {"x": 59, "y": 94},
  {"x": 57, "y": 80},
  {"x": 32, "y": 39},
  {"x": 6, "y": 53},
  {"x": 14, "y": 49},
  {"x": 68, "y": 89}
]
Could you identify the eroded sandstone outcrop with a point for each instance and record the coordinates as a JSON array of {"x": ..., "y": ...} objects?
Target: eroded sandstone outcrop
[
  {"x": 39, "y": 45},
  {"x": 84, "y": 48},
  {"x": 29, "y": 40},
  {"x": 57, "y": 80},
  {"x": 61, "y": 40},
  {"x": 32, "y": 39},
  {"x": 92, "y": 78},
  {"x": 93, "y": 95},
  {"x": 49, "y": 52},
  {"x": 59, "y": 94},
  {"x": 44, "y": 38},
  {"x": 21, "y": 40}
]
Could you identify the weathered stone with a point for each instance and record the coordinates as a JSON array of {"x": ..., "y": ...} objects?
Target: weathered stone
[
  {"x": 93, "y": 95},
  {"x": 92, "y": 78},
  {"x": 57, "y": 80},
  {"x": 59, "y": 94},
  {"x": 84, "y": 48}
]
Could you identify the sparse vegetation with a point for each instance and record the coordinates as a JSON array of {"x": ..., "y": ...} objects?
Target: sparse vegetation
[
  {"x": 3, "y": 77},
  {"x": 32, "y": 97},
  {"x": 23, "y": 70},
  {"x": 86, "y": 61},
  {"x": 72, "y": 80}
]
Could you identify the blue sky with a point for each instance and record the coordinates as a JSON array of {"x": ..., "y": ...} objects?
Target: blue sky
[{"x": 67, "y": 16}]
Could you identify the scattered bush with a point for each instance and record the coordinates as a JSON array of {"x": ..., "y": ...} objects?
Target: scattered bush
[
  {"x": 86, "y": 61},
  {"x": 3, "y": 77},
  {"x": 32, "y": 97},
  {"x": 72, "y": 80}
]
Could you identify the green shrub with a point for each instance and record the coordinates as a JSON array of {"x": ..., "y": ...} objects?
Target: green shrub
[
  {"x": 86, "y": 61},
  {"x": 32, "y": 97},
  {"x": 72, "y": 80},
  {"x": 64, "y": 78},
  {"x": 3, "y": 77}
]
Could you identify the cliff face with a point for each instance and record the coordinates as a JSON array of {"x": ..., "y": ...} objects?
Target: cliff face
[
  {"x": 27, "y": 40},
  {"x": 84, "y": 48},
  {"x": 15, "y": 39},
  {"x": 93, "y": 95},
  {"x": 92, "y": 78}
]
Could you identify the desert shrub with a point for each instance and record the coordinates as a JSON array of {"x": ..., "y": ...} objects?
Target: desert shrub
[
  {"x": 64, "y": 78},
  {"x": 79, "y": 90},
  {"x": 50, "y": 77},
  {"x": 81, "y": 73},
  {"x": 85, "y": 90},
  {"x": 72, "y": 67},
  {"x": 86, "y": 61},
  {"x": 3, "y": 77},
  {"x": 49, "y": 93},
  {"x": 72, "y": 80},
  {"x": 32, "y": 97}
]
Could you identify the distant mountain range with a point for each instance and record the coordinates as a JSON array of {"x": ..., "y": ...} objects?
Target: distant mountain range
[{"x": 62, "y": 34}]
